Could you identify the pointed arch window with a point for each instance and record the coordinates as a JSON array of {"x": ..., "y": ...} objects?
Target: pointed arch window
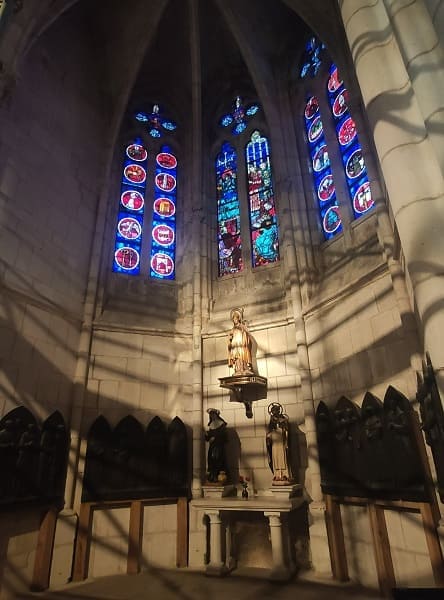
[
  {"x": 264, "y": 239},
  {"x": 262, "y": 211},
  {"x": 228, "y": 212},
  {"x": 321, "y": 170},
  {"x": 142, "y": 242},
  {"x": 351, "y": 152}
]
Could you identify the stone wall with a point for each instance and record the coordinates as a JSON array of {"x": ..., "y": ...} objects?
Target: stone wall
[{"x": 50, "y": 175}]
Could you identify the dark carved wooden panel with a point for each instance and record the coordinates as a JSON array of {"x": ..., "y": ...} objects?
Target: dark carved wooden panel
[
  {"x": 33, "y": 458},
  {"x": 372, "y": 451},
  {"x": 432, "y": 417},
  {"x": 130, "y": 463}
]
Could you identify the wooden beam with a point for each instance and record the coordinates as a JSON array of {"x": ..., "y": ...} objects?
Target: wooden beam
[
  {"x": 433, "y": 543},
  {"x": 43, "y": 555},
  {"x": 135, "y": 537},
  {"x": 83, "y": 542},
  {"x": 381, "y": 548},
  {"x": 336, "y": 544},
  {"x": 182, "y": 533}
]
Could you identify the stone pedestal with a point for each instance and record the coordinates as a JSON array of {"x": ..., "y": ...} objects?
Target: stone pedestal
[
  {"x": 219, "y": 491},
  {"x": 285, "y": 492}
]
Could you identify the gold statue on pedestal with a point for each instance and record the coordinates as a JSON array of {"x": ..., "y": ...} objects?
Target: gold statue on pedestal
[
  {"x": 239, "y": 345},
  {"x": 245, "y": 384}
]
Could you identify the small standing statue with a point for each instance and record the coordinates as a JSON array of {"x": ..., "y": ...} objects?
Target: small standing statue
[
  {"x": 216, "y": 436},
  {"x": 277, "y": 445},
  {"x": 239, "y": 344}
]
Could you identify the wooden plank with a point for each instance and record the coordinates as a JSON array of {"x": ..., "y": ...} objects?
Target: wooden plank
[
  {"x": 336, "y": 542},
  {"x": 135, "y": 537},
  {"x": 381, "y": 547},
  {"x": 182, "y": 533},
  {"x": 83, "y": 543},
  {"x": 433, "y": 543},
  {"x": 43, "y": 555}
]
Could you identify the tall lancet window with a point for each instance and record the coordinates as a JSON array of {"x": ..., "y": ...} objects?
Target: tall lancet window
[
  {"x": 128, "y": 242},
  {"x": 163, "y": 231},
  {"x": 321, "y": 170},
  {"x": 145, "y": 239},
  {"x": 351, "y": 151},
  {"x": 228, "y": 212},
  {"x": 263, "y": 225}
]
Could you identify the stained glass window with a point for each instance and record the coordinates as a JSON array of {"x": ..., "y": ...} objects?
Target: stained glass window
[
  {"x": 131, "y": 209},
  {"x": 351, "y": 151},
  {"x": 239, "y": 117},
  {"x": 312, "y": 58},
  {"x": 263, "y": 225},
  {"x": 156, "y": 123},
  {"x": 163, "y": 232},
  {"x": 321, "y": 170},
  {"x": 228, "y": 212}
]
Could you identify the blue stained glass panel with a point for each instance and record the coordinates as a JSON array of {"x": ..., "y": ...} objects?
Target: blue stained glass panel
[
  {"x": 228, "y": 212},
  {"x": 239, "y": 116},
  {"x": 311, "y": 61},
  {"x": 321, "y": 172},
  {"x": 263, "y": 224},
  {"x": 129, "y": 228},
  {"x": 351, "y": 152},
  {"x": 163, "y": 228}
]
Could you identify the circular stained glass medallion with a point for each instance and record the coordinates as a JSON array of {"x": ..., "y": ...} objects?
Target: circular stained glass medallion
[
  {"x": 355, "y": 164},
  {"x": 311, "y": 108},
  {"x": 132, "y": 200},
  {"x": 326, "y": 188},
  {"x": 165, "y": 182},
  {"x": 135, "y": 173},
  {"x": 129, "y": 228},
  {"x": 347, "y": 132},
  {"x": 166, "y": 160},
  {"x": 362, "y": 200},
  {"x": 127, "y": 258},
  {"x": 163, "y": 235},
  {"x": 340, "y": 103},
  {"x": 332, "y": 220},
  {"x": 162, "y": 264},
  {"x": 321, "y": 159},
  {"x": 136, "y": 152},
  {"x": 164, "y": 207},
  {"x": 334, "y": 82},
  {"x": 315, "y": 130}
]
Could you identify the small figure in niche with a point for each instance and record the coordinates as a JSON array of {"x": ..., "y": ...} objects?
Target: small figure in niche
[
  {"x": 239, "y": 344},
  {"x": 216, "y": 436},
  {"x": 277, "y": 440}
]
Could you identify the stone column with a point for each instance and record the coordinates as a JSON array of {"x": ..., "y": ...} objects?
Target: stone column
[
  {"x": 196, "y": 200},
  {"x": 215, "y": 566},
  {"x": 424, "y": 60},
  {"x": 409, "y": 162},
  {"x": 279, "y": 570}
]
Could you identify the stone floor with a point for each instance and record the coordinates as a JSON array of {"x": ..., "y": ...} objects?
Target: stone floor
[{"x": 187, "y": 585}]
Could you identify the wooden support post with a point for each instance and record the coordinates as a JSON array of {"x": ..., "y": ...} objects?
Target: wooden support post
[
  {"x": 433, "y": 544},
  {"x": 135, "y": 537},
  {"x": 83, "y": 542},
  {"x": 336, "y": 542},
  {"x": 182, "y": 533},
  {"x": 43, "y": 555},
  {"x": 381, "y": 547}
]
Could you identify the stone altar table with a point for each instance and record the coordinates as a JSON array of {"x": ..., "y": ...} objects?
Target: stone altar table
[{"x": 275, "y": 509}]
